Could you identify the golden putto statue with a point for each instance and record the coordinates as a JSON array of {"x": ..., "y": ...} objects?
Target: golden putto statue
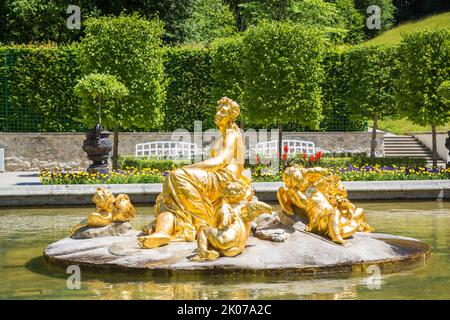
[
  {"x": 322, "y": 200},
  {"x": 235, "y": 215},
  {"x": 108, "y": 209}
]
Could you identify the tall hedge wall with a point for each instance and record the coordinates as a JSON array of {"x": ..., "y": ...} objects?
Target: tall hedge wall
[
  {"x": 337, "y": 112},
  {"x": 189, "y": 91},
  {"x": 37, "y": 88},
  {"x": 40, "y": 83}
]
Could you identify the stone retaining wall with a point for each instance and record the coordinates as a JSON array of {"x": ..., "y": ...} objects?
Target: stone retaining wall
[{"x": 34, "y": 151}]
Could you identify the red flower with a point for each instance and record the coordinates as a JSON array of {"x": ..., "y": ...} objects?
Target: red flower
[
  {"x": 319, "y": 155},
  {"x": 305, "y": 156},
  {"x": 286, "y": 148},
  {"x": 312, "y": 158},
  {"x": 258, "y": 159},
  {"x": 285, "y": 157}
]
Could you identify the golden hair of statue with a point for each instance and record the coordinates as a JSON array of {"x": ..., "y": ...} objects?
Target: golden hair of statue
[
  {"x": 108, "y": 209},
  {"x": 192, "y": 195},
  {"x": 322, "y": 199}
]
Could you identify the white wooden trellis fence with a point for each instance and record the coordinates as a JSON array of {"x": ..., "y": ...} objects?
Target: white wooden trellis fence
[
  {"x": 269, "y": 148},
  {"x": 167, "y": 150}
]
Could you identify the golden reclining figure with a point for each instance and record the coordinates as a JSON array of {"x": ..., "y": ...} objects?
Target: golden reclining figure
[{"x": 322, "y": 200}]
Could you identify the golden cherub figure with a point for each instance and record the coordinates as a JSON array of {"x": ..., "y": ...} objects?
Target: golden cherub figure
[
  {"x": 322, "y": 199},
  {"x": 123, "y": 210},
  {"x": 234, "y": 218},
  {"x": 104, "y": 204},
  {"x": 108, "y": 209}
]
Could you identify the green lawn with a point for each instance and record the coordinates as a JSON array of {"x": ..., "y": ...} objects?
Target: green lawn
[
  {"x": 403, "y": 126},
  {"x": 394, "y": 35}
]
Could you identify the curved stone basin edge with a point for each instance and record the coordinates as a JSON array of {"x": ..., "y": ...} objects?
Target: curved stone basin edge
[
  {"x": 265, "y": 191},
  {"x": 396, "y": 254}
]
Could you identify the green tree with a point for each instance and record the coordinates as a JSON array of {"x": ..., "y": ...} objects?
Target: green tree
[
  {"x": 23, "y": 21},
  {"x": 371, "y": 92},
  {"x": 129, "y": 48},
  {"x": 207, "y": 19},
  {"x": 313, "y": 12},
  {"x": 387, "y": 13},
  {"x": 424, "y": 65},
  {"x": 101, "y": 94},
  {"x": 283, "y": 72},
  {"x": 354, "y": 20},
  {"x": 444, "y": 91}
]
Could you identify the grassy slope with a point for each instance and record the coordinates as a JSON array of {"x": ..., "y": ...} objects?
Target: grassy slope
[
  {"x": 404, "y": 126},
  {"x": 394, "y": 35}
]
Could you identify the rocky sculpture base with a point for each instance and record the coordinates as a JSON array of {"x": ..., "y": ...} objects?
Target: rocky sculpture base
[
  {"x": 298, "y": 253},
  {"x": 114, "y": 229}
]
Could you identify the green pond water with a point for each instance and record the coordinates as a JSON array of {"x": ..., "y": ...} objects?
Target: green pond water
[{"x": 24, "y": 233}]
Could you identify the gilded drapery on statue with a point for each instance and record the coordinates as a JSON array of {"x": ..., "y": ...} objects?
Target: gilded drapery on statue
[{"x": 191, "y": 195}]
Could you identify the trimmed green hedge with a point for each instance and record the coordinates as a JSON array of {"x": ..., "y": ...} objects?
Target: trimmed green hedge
[
  {"x": 40, "y": 82},
  {"x": 227, "y": 73},
  {"x": 338, "y": 115},
  {"x": 189, "y": 91},
  {"x": 161, "y": 165},
  {"x": 390, "y": 162}
]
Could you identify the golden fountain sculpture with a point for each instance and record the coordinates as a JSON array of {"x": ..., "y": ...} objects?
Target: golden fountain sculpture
[
  {"x": 109, "y": 209},
  {"x": 322, "y": 200},
  {"x": 192, "y": 195},
  {"x": 212, "y": 202}
]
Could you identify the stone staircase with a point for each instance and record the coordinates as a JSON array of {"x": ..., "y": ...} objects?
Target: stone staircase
[{"x": 408, "y": 146}]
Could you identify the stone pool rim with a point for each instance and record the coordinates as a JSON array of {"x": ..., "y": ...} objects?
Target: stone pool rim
[
  {"x": 397, "y": 264},
  {"x": 266, "y": 191}
]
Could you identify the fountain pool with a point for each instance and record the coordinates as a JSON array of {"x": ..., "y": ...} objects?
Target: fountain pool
[{"x": 24, "y": 233}]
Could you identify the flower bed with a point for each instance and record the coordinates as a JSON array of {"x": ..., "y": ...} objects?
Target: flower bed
[
  {"x": 126, "y": 176},
  {"x": 349, "y": 173}
]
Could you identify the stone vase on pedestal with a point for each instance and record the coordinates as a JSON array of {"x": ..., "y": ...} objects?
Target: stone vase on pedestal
[{"x": 97, "y": 146}]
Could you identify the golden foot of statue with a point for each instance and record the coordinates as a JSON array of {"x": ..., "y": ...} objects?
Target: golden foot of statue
[
  {"x": 340, "y": 241},
  {"x": 154, "y": 240},
  {"x": 209, "y": 255}
]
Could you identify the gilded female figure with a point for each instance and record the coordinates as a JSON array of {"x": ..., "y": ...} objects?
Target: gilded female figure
[{"x": 192, "y": 194}]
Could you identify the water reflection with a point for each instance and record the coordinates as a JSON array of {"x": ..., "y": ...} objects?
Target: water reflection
[{"x": 25, "y": 232}]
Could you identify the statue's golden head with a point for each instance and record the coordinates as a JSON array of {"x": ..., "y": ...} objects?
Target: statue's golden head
[
  {"x": 103, "y": 199},
  {"x": 234, "y": 192},
  {"x": 292, "y": 177},
  {"x": 227, "y": 112},
  {"x": 123, "y": 209}
]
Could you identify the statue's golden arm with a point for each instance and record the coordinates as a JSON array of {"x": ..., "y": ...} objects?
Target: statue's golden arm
[{"x": 222, "y": 159}]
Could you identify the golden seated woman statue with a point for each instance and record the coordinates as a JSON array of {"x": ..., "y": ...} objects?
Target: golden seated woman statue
[
  {"x": 322, "y": 200},
  {"x": 191, "y": 194}
]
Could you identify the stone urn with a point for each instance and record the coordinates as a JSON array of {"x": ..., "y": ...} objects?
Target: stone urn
[
  {"x": 447, "y": 145},
  {"x": 97, "y": 146}
]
